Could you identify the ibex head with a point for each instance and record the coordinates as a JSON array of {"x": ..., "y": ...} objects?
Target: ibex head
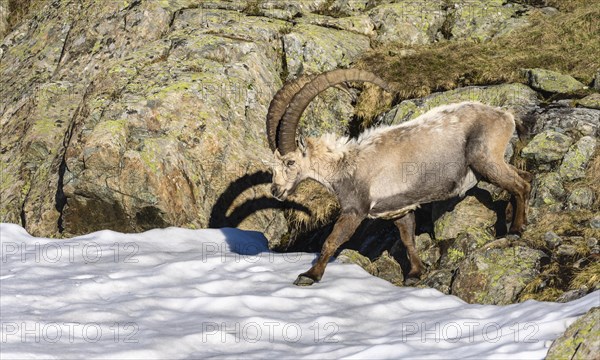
[
  {"x": 288, "y": 171},
  {"x": 292, "y": 158}
]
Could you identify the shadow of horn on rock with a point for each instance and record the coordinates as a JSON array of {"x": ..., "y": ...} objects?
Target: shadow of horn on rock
[{"x": 222, "y": 215}]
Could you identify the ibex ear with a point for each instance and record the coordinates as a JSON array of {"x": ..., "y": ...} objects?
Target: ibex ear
[
  {"x": 301, "y": 143},
  {"x": 277, "y": 154}
]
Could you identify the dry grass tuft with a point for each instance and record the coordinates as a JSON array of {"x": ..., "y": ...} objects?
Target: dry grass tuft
[
  {"x": 18, "y": 11},
  {"x": 566, "y": 42},
  {"x": 323, "y": 207},
  {"x": 564, "y": 223},
  {"x": 588, "y": 277},
  {"x": 372, "y": 102}
]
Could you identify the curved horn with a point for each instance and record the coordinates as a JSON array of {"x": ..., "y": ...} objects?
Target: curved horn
[
  {"x": 291, "y": 117},
  {"x": 278, "y": 105}
]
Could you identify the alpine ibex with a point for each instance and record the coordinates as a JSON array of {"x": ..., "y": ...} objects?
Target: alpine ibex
[{"x": 387, "y": 172}]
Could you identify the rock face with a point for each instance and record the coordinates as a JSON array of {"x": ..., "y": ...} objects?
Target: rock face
[
  {"x": 580, "y": 341},
  {"x": 132, "y": 115},
  {"x": 136, "y": 127}
]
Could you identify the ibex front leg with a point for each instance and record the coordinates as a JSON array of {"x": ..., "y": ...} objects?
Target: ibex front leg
[{"x": 342, "y": 231}]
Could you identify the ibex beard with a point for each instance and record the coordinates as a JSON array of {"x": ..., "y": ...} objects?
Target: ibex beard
[{"x": 389, "y": 171}]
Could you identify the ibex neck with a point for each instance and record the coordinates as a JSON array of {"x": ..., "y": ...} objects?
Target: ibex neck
[{"x": 332, "y": 159}]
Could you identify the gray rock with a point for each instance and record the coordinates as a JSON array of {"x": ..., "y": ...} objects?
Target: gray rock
[
  {"x": 581, "y": 198},
  {"x": 576, "y": 121},
  {"x": 548, "y": 189},
  {"x": 552, "y": 240},
  {"x": 572, "y": 295},
  {"x": 481, "y": 20},
  {"x": 596, "y": 84},
  {"x": 360, "y": 24},
  {"x": 172, "y": 122},
  {"x": 427, "y": 249},
  {"x": 496, "y": 276},
  {"x": 591, "y": 101},
  {"x": 518, "y": 97},
  {"x": 4, "y": 14},
  {"x": 468, "y": 213},
  {"x": 593, "y": 245},
  {"x": 567, "y": 250},
  {"x": 581, "y": 341},
  {"x": 312, "y": 49},
  {"x": 408, "y": 22},
  {"x": 552, "y": 81},
  {"x": 547, "y": 146},
  {"x": 345, "y": 8},
  {"x": 595, "y": 222},
  {"x": 387, "y": 268},
  {"x": 577, "y": 158},
  {"x": 348, "y": 256},
  {"x": 471, "y": 239},
  {"x": 440, "y": 280}
]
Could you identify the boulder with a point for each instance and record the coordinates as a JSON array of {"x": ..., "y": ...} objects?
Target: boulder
[
  {"x": 517, "y": 97},
  {"x": 4, "y": 14},
  {"x": 349, "y": 256},
  {"x": 577, "y": 122},
  {"x": 581, "y": 341},
  {"x": 465, "y": 244},
  {"x": 360, "y": 24},
  {"x": 591, "y": 101},
  {"x": 426, "y": 248},
  {"x": 548, "y": 189},
  {"x": 581, "y": 197},
  {"x": 547, "y": 146},
  {"x": 385, "y": 266},
  {"x": 577, "y": 158},
  {"x": 468, "y": 214},
  {"x": 552, "y": 81},
  {"x": 440, "y": 280},
  {"x": 552, "y": 240},
  {"x": 142, "y": 126},
  {"x": 496, "y": 276}
]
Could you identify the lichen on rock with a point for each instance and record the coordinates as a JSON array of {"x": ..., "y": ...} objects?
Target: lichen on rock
[
  {"x": 580, "y": 341},
  {"x": 496, "y": 276}
]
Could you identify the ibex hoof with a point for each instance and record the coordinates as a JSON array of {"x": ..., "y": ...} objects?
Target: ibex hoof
[
  {"x": 516, "y": 230},
  {"x": 304, "y": 280}
]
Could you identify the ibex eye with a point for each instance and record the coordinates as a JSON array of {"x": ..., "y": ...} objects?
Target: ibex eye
[{"x": 290, "y": 163}]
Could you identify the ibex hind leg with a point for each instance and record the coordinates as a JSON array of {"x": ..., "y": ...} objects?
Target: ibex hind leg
[
  {"x": 491, "y": 166},
  {"x": 407, "y": 225}
]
